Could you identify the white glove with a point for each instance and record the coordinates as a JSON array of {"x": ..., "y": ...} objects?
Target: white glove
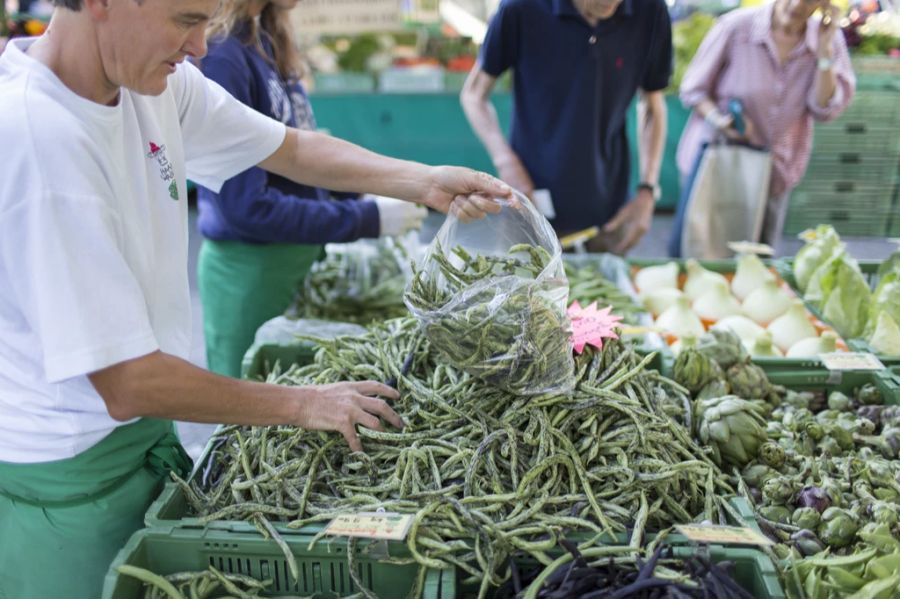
[{"x": 396, "y": 217}]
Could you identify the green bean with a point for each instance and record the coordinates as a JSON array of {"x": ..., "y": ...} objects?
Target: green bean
[
  {"x": 148, "y": 577},
  {"x": 485, "y": 472}
]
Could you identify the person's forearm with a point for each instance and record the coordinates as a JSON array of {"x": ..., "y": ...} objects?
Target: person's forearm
[
  {"x": 320, "y": 160},
  {"x": 705, "y": 107},
  {"x": 484, "y": 121},
  {"x": 652, "y": 118},
  {"x": 162, "y": 386},
  {"x": 482, "y": 117},
  {"x": 825, "y": 86}
]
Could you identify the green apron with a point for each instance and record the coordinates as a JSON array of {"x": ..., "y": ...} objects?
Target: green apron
[
  {"x": 243, "y": 285},
  {"x": 62, "y": 522}
]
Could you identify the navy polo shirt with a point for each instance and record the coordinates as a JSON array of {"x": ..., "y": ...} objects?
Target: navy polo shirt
[{"x": 573, "y": 85}]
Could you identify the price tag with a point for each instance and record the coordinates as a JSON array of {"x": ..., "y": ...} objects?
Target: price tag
[
  {"x": 372, "y": 525},
  {"x": 722, "y": 535},
  {"x": 851, "y": 361},
  {"x": 591, "y": 326},
  {"x": 749, "y": 247}
]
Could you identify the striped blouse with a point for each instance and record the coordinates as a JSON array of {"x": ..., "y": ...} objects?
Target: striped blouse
[{"x": 739, "y": 59}]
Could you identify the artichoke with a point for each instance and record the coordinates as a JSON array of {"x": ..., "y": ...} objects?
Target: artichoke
[
  {"x": 694, "y": 370},
  {"x": 827, "y": 416},
  {"x": 890, "y": 416},
  {"x": 779, "y": 490},
  {"x": 880, "y": 472},
  {"x": 828, "y": 446},
  {"x": 807, "y": 518},
  {"x": 887, "y": 494},
  {"x": 814, "y": 497},
  {"x": 864, "y": 426},
  {"x": 749, "y": 381},
  {"x": 807, "y": 543},
  {"x": 872, "y": 413},
  {"x": 722, "y": 346},
  {"x": 776, "y": 513},
  {"x": 814, "y": 430},
  {"x": 887, "y": 443},
  {"x": 838, "y": 528},
  {"x": 713, "y": 389},
  {"x": 756, "y": 475},
  {"x": 880, "y": 536},
  {"x": 798, "y": 399},
  {"x": 842, "y": 436},
  {"x": 765, "y": 409},
  {"x": 795, "y": 420},
  {"x": 868, "y": 395},
  {"x": 772, "y": 454},
  {"x": 775, "y": 430},
  {"x": 885, "y": 512},
  {"x": 733, "y": 427},
  {"x": 838, "y": 401}
]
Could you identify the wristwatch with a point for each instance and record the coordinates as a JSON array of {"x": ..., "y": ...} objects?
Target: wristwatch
[
  {"x": 825, "y": 64},
  {"x": 653, "y": 188}
]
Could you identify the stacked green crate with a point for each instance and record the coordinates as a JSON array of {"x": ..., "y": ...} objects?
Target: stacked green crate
[{"x": 852, "y": 179}]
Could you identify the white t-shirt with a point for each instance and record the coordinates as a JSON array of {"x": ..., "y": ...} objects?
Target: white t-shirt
[{"x": 94, "y": 237}]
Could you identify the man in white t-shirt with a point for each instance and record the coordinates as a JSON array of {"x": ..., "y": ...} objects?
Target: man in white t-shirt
[{"x": 102, "y": 121}]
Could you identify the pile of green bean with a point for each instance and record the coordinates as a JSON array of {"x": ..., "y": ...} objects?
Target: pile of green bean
[
  {"x": 361, "y": 283},
  {"x": 587, "y": 284},
  {"x": 486, "y": 472},
  {"x": 496, "y": 317}
]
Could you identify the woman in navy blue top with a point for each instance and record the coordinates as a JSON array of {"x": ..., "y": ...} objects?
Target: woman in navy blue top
[{"x": 263, "y": 232}]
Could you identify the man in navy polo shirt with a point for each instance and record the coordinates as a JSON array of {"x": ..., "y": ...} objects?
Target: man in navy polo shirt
[{"x": 577, "y": 66}]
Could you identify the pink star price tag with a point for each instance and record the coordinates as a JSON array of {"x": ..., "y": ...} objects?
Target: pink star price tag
[{"x": 591, "y": 326}]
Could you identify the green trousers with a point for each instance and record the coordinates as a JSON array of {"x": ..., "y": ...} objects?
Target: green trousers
[
  {"x": 242, "y": 286},
  {"x": 62, "y": 522}
]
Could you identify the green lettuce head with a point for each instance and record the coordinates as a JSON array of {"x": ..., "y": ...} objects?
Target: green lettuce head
[
  {"x": 845, "y": 296},
  {"x": 822, "y": 243}
]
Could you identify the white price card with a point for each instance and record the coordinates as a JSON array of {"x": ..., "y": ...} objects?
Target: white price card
[
  {"x": 722, "y": 535},
  {"x": 750, "y": 247},
  {"x": 372, "y": 525},
  {"x": 851, "y": 361}
]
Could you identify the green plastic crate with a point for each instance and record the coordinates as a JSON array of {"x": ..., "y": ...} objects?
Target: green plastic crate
[
  {"x": 323, "y": 569},
  {"x": 893, "y": 372},
  {"x": 729, "y": 266},
  {"x": 753, "y": 569},
  {"x": 845, "y": 382}
]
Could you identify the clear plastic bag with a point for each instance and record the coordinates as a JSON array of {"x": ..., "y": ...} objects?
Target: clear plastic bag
[
  {"x": 491, "y": 297},
  {"x": 282, "y": 330},
  {"x": 360, "y": 282}
]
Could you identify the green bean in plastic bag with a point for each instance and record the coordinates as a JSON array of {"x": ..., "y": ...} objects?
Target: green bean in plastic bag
[{"x": 491, "y": 297}]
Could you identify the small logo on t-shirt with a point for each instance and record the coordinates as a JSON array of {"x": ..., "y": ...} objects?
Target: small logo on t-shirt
[{"x": 166, "y": 170}]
